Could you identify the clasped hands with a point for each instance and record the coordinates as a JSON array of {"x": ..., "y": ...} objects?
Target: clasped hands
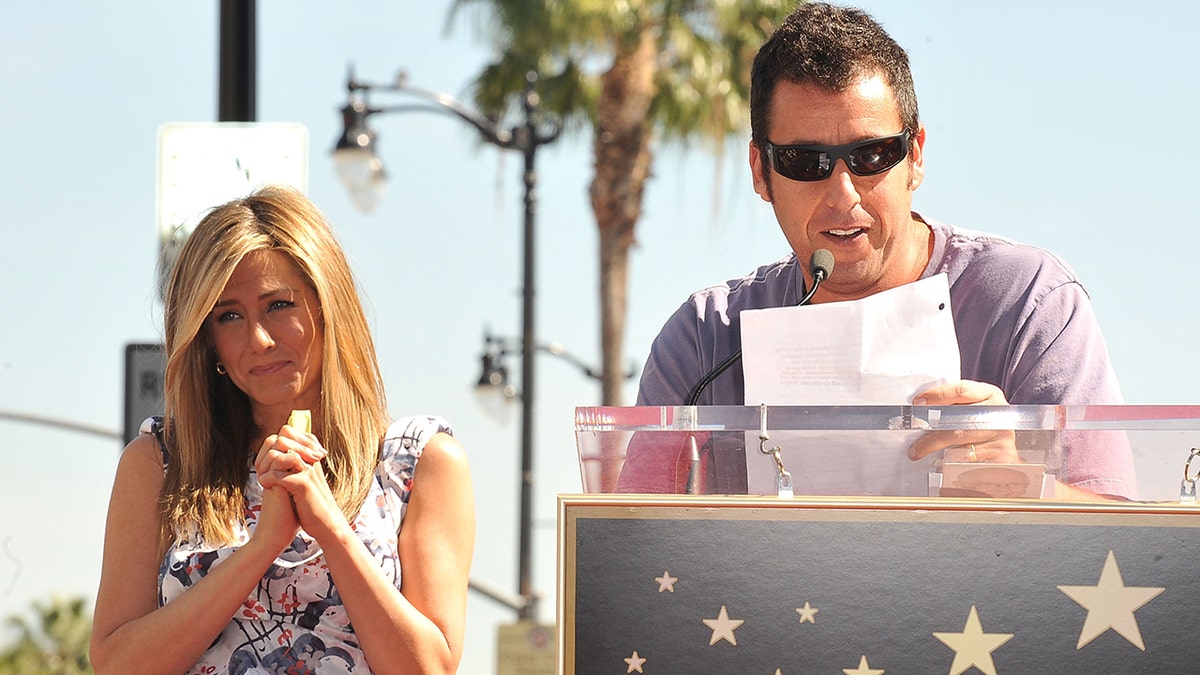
[
  {"x": 996, "y": 446},
  {"x": 296, "y": 493}
]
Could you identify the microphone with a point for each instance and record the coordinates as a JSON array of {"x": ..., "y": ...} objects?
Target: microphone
[{"x": 820, "y": 266}]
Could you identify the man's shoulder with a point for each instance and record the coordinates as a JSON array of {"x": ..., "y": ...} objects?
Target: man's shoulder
[
  {"x": 766, "y": 286},
  {"x": 973, "y": 254}
]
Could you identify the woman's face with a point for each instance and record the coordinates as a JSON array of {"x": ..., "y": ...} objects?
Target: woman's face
[{"x": 268, "y": 332}]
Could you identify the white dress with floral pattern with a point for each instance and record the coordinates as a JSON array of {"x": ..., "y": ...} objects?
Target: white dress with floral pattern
[{"x": 294, "y": 621}]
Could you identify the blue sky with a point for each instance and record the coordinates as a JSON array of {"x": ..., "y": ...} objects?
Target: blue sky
[{"x": 1066, "y": 125}]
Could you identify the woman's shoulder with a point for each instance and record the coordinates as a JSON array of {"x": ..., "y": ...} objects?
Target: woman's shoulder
[
  {"x": 406, "y": 441},
  {"x": 142, "y": 460},
  {"x": 410, "y": 435}
]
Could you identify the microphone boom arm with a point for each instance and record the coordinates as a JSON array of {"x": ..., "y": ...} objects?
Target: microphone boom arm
[{"x": 820, "y": 267}]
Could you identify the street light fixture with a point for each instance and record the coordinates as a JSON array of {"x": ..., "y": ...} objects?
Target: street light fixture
[
  {"x": 362, "y": 171},
  {"x": 494, "y": 373},
  {"x": 359, "y": 168}
]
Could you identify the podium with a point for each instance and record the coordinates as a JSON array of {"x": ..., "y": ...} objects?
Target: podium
[{"x": 691, "y": 570}]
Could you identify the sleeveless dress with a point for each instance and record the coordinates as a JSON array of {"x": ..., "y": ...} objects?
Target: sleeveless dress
[{"x": 294, "y": 621}]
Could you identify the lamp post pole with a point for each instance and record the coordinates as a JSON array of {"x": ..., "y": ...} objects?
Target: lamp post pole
[
  {"x": 529, "y": 145},
  {"x": 238, "y": 61},
  {"x": 363, "y": 174}
]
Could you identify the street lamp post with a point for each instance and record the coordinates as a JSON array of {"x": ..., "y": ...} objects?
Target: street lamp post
[{"x": 362, "y": 172}]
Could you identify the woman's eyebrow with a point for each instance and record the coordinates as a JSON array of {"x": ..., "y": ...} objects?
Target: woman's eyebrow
[{"x": 261, "y": 296}]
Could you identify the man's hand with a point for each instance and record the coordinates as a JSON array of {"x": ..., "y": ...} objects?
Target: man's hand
[
  {"x": 961, "y": 392},
  {"x": 966, "y": 445}
]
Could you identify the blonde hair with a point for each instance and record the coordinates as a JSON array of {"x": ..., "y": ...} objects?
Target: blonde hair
[{"x": 208, "y": 422}]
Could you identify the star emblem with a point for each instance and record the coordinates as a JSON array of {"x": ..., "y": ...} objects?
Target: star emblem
[
  {"x": 807, "y": 613},
  {"x": 1111, "y": 604},
  {"x": 723, "y": 627},
  {"x": 863, "y": 668},
  {"x": 973, "y": 647},
  {"x": 635, "y": 663},
  {"x": 666, "y": 582}
]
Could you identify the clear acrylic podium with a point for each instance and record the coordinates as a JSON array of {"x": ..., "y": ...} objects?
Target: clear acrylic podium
[
  {"x": 683, "y": 555},
  {"x": 862, "y": 450}
]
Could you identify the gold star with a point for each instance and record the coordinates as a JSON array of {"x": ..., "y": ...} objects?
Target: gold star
[
  {"x": 635, "y": 663},
  {"x": 723, "y": 627},
  {"x": 863, "y": 668},
  {"x": 973, "y": 647},
  {"x": 807, "y": 613},
  {"x": 1111, "y": 604},
  {"x": 666, "y": 582}
]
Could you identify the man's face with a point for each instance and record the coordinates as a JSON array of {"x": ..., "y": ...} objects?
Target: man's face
[
  {"x": 994, "y": 481},
  {"x": 865, "y": 221}
]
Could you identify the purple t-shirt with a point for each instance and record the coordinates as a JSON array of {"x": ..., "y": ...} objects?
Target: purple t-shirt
[{"x": 1024, "y": 323}]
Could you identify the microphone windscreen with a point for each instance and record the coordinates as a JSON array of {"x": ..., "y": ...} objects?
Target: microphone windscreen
[{"x": 821, "y": 260}]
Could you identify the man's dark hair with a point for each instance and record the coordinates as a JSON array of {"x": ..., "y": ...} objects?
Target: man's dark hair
[{"x": 831, "y": 47}]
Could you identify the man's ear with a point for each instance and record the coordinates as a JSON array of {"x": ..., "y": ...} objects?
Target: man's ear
[
  {"x": 917, "y": 160},
  {"x": 760, "y": 172}
]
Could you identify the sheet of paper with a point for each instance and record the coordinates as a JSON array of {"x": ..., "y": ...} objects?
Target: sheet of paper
[{"x": 881, "y": 350}]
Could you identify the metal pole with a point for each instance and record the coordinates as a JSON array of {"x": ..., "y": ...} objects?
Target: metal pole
[
  {"x": 237, "y": 49},
  {"x": 58, "y": 423},
  {"x": 529, "y": 145},
  {"x": 527, "y": 138}
]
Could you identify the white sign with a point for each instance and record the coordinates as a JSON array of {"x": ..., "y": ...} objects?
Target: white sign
[{"x": 203, "y": 165}]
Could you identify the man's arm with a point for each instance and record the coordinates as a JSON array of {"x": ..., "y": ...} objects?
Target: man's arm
[{"x": 1059, "y": 356}]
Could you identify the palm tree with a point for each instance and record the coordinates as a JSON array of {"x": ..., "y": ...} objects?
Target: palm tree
[
  {"x": 632, "y": 70},
  {"x": 56, "y": 645}
]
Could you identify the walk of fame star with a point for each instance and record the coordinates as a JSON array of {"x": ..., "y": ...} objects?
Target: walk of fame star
[
  {"x": 863, "y": 668},
  {"x": 666, "y": 582},
  {"x": 723, "y": 627},
  {"x": 807, "y": 613},
  {"x": 1111, "y": 604},
  {"x": 973, "y": 647}
]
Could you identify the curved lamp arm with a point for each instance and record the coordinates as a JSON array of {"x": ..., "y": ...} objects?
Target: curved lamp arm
[{"x": 361, "y": 169}]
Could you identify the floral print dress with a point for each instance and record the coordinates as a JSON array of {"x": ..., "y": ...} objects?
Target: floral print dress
[{"x": 294, "y": 621}]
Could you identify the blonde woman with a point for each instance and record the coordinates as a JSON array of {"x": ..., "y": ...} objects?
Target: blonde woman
[{"x": 237, "y": 542}]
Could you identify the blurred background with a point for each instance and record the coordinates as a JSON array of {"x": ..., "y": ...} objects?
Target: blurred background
[{"x": 1063, "y": 125}]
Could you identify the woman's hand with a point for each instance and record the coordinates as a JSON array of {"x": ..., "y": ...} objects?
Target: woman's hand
[
  {"x": 277, "y": 521},
  {"x": 290, "y": 463}
]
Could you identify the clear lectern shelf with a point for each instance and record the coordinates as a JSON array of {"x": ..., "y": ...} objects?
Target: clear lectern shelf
[{"x": 1138, "y": 453}]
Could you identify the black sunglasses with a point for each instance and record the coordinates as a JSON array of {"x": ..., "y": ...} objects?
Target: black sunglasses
[{"x": 816, "y": 162}]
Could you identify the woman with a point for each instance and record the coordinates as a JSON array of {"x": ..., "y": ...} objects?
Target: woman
[{"x": 236, "y": 542}]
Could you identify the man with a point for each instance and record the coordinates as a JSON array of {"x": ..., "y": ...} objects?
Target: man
[{"x": 837, "y": 150}]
